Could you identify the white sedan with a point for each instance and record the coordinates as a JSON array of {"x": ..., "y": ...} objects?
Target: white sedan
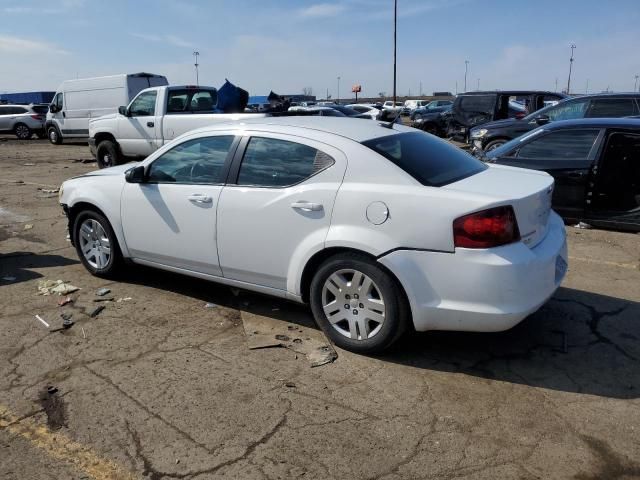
[
  {"x": 379, "y": 229},
  {"x": 366, "y": 109}
]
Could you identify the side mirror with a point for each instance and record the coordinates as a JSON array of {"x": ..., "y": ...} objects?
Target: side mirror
[
  {"x": 542, "y": 120},
  {"x": 122, "y": 110},
  {"x": 135, "y": 174},
  {"x": 53, "y": 108}
]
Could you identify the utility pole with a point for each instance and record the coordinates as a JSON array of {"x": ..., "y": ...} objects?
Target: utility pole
[
  {"x": 338, "y": 98},
  {"x": 466, "y": 68},
  {"x": 395, "y": 48},
  {"x": 586, "y": 90},
  {"x": 196, "y": 54},
  {"x": 456, "y": 87},
  {"x": 635, "y": 86},
  {"x": 327, "y": 97},
  {"x": 478, "y": 85},
  {"x": 556, "y": 85},
  {"x": 570, "y": 65},
  {"x": 420, "y": 88}
]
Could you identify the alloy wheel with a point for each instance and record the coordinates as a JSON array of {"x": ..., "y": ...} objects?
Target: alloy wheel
[
  {"x": 353, "y": 304},
  {"x": 22, "y": 132},
  {"x": 94, "y": 243},
  {"x": 53, "y": 135}
]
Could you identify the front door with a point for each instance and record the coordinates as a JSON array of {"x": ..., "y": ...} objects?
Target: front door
[
  {"x": 137, "y": 131},
  {"x": 279, "y": 207},
  {"x": 59, "y": 116},
  {"x": 616, "y": 195},
  {"x": 170, "y": 219},
  {"x": 568, "y": 156}
]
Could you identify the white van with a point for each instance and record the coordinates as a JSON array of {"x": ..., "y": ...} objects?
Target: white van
[{"x": 78, "y": 101}]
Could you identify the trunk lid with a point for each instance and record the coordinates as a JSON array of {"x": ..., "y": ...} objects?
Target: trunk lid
[{"x": 528, "y": 191}]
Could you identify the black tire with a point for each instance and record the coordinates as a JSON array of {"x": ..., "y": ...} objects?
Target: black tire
[
  {"x": 396, "y": 313},
  {"x": 22, "y": 131},
  {"x": 107, "y": 154},
  {"x": 114, "y": 262},
  {"x": 493, "y": 144},
  {"x": 54, "y": 135}
]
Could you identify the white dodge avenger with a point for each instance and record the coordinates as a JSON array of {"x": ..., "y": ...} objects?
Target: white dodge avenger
[{"x": 379, "y": 229}]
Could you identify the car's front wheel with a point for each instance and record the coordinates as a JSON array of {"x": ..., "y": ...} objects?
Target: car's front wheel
[
  {"x": 492, "y": 145},
  {"x": 358, "y": 304},
  {"x": 96, "y": 244},
  {"x": 54, "y": 136},
  {"x": 22, "y": 131}
]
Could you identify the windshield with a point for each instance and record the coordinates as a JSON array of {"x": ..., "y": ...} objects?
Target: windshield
[{"x": 431, "y": 161}]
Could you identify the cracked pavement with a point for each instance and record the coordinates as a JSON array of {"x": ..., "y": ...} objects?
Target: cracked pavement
[{"x": 161, "y": 387}]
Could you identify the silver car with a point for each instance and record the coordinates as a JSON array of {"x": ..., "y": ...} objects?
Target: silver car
[{"x": 23, "y": 120}]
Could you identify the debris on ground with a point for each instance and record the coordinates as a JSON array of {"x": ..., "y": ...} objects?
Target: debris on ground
[
  {"x": 265, "y": 332},
  {"x": 59, "y": 287},
  {"x": 41, "y": 320},
  {"x": 290, "y": 385},
  {"x": 104, "y": 299},
  {"x": 9, "y": 278},
  {"x": 210, "y": 305},
  {"x": 65, "y": 301},
  {"x": 28, "y": 226},
  {"x": 49, "y": 190},
  {"x": 583, "y": 226},
  {"x": 96, "y": 311},
  {"x": 124, "y": 299},
  {"x": 102, "y": 292},
  {"x": 54, "y": 407},
  {"x": 29, "y": 164}
]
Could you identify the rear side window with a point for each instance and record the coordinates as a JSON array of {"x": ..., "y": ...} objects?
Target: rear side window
[
  {"x": 270, "y": 162},
  {"x": 478, "y": 103},
  {"x": 563, "y": 145},
  {"x": 431, "y": 161},
  {"x": 612, "y": 107},
  {"x": 567, "y": 110},
  {"x": 41, "y": 109}
]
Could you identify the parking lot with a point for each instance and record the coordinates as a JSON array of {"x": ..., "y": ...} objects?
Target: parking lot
[{"x": 158, "y": 385}]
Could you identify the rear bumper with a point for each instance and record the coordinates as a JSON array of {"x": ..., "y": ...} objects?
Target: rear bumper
[{"x": 480, "y": 290}]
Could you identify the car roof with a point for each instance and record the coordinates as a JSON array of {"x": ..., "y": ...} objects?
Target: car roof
[
  {"x": 512, "y": 92},
  {"x": 618, "y": 122},
  {"x": 356, "y": 129}
]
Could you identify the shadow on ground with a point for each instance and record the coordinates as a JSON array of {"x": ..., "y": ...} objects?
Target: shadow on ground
[
  {"x": 20, "y": 265},
  {"x": 578, "y": 342}
]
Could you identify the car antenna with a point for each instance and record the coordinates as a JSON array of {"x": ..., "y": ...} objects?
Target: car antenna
[{"x": 389, "y": 125}]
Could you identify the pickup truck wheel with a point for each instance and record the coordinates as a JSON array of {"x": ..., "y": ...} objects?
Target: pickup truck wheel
[
  {"x": 358, "y": 304},
  {"x": 22, "y": 131},
  {"x": 96, "y": 244},
  {"x": 107, "y": 154},
  {"x": 53, "y": 135},
  {"x": 494, "y": 144}
]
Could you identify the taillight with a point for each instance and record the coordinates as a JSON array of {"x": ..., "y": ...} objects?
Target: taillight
[
  {"x": 37, "y": 117},
  {"x": 488, "y": 228}
]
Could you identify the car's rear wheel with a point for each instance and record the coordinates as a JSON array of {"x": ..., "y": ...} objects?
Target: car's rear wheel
[
  {"x": 54, "y": 136},
  {"x": 96, "y": 244},
  {"x": 358, "y": 304},
  {"x": 22, "y": 131},
  {"x": 493, "y": 144},
  {"x": 107, "y": 154}
]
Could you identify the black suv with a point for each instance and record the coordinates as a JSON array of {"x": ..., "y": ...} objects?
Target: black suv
[
  {"x": 607, "y": 105},
  {"x": 476, "y": 108}
]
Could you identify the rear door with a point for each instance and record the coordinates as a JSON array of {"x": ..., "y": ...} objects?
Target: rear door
[
  {"x": 277, "y": 206},
  {"x": 612, "y": 107},
  {"x": 568, "y": 156},
  {"x": 472, "y": 110},
  {"x": 5, "y": 115}
]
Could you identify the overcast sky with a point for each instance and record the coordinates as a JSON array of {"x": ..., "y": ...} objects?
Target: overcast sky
[{"x": 286, "y": 45}]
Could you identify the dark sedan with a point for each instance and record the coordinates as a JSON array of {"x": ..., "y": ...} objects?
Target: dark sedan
[
  {"x": 493, "y": 134},
  {"x": 431, "y": 120},
  {"x": 595, "y": 164}
]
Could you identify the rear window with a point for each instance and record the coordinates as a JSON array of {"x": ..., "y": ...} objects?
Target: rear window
[
  {"x": 40, "y": 108},
  {"x": 478, "y": 103},
  {"x": 431, "y": 161}
]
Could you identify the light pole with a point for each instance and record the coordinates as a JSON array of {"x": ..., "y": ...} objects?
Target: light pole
[
  {"x": 466, "y": 68},
  {"x": 395, "y": 28},
  {"x": 635, "y": 86},
  {"x": 570, "y": 65},
  {"x": 586, "y": 90},
  {"x": 196, "y": 54},
  {"x": 556, "y": 85},
  {"x": 478, "y": 85},
  {"x": 338, "y": 96}
]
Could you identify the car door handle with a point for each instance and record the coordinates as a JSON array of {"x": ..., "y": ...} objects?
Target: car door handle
[
  {"x": 200, "y": 198},
  {"x": 150, "y": 124},
  {"x": 307, "y": 206},
  {"x": 64, "y": 115}
]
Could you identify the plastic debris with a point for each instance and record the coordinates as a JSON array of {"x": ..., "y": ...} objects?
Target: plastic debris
[
  {"x": 125, "y": 299},
  {"x": 104, "y": 299},
  {"x": 51, "y": 390},
  {"x": 96, "y": 311},
  {"x": 28, "y": 226},
  {"x": 59, "y": 287},
  {"x": 284, "y": 338},
  {"x": 65, "y": 301},
  {"x": 41, "y": 320},
  {"x": 583, "y": 226},
  {"x": 210, "y": 305},
  {"x": 102, "y": 292},
  {"x": 290, "y": 385},
  {"x": 9, "y": 278},
  {"x": 83, "y": 334},
  {"x": 49, "y": 190},
  {"x": 66, "y": 320},
  {"x": 29, "y": 164}
]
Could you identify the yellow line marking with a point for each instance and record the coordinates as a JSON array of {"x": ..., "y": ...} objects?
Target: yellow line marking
[
  {"x": 61, "y": 447},
  {"x": 634, "y": 266}
]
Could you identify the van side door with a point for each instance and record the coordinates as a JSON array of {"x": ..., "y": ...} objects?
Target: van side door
[{"x": 137, "y": 131}]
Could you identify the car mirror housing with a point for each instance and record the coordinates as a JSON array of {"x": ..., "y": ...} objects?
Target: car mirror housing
[
  {"x": 122, "y": 110},
  {"x": 53, "y": 108},
  {"x": 135, "y": 175},
  {"x": 542, "y": 120}
]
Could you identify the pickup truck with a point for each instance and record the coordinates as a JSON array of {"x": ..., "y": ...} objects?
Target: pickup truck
[{"x": 154, "y": 117}]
